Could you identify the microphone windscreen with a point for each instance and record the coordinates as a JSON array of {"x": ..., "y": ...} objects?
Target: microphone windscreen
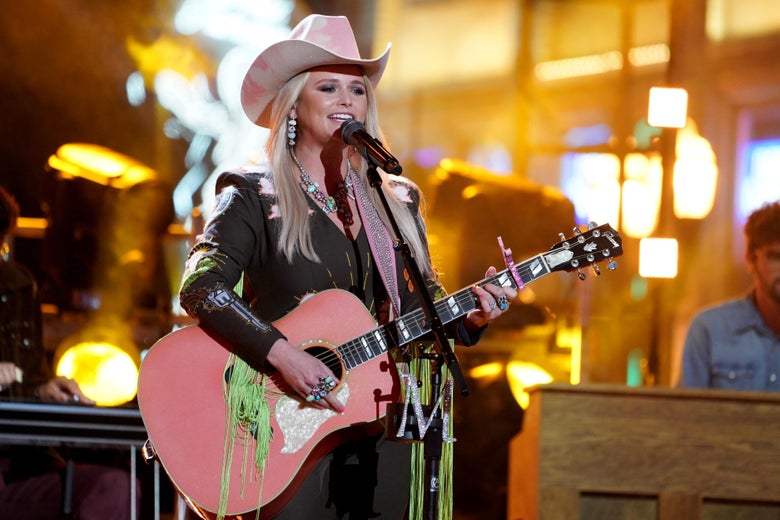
[{"x": 348, "y": 129}]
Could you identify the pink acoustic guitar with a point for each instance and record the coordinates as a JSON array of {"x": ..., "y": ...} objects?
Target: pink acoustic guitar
[{"x": 180, "y": 387}]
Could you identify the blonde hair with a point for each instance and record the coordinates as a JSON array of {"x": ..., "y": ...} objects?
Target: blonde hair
[{"x": 295, "y": 232}]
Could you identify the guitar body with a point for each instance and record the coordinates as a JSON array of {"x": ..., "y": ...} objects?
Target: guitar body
[{"x": 181, "y": 399}]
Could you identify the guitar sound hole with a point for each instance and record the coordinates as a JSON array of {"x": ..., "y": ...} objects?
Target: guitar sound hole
[{"x": 327, "y": 356}]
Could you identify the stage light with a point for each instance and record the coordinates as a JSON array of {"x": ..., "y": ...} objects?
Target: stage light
[
  {"x": 667, "y": 107},
  {"x": 487, "y": 371},
  {"x": 641, "y": 194},
  {"x": 100, "y": 165},
  {"x": 523, "y": 375},
  {"x": 658, "y": 257},
  {"x": 695, "y": 174},
  {"x": 103, "y": 361}
]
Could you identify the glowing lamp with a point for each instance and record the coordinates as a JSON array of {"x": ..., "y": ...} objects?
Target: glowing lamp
[
  {"x": 695, "y": 174},
  {"x": 602, "y": 171},
  {"x": 668, "y": 107},
  {"x": 641, "y": 194},
  {"x": 487, "y": 371},
  {"x": 104, "y": 364},
  {"x": 658, "y": 257},
  {"x": 523, "y": 375},
  {"x": 100, "y": 165}
]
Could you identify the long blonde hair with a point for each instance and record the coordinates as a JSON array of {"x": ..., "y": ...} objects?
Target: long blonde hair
[{"x": 295, "y": 233}]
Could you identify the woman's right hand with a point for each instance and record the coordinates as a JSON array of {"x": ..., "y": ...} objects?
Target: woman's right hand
[{"x": 303, "y": 372}]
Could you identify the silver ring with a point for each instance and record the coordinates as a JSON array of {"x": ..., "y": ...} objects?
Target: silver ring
[
  {"x": 492, "y": 305},
  {"x": 503, "y": 303},
  {"x": 328, "y": 383},
  {"x": 321, "y": 389}
]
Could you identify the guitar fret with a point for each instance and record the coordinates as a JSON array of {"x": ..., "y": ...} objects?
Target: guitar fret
[
  {"x": 405, "y": 334},
  {"x": 418, "y": 325},
  {"x": 366, "y": 347},
  {"x": 453, "y": 306},
  {"x": 360, "y": 352},
  {"x": 380, "y": 343},
  {"x": 349, "y": 354},
  {"x": 362, "y": 349},
  {"x": 564, "y": 256}
]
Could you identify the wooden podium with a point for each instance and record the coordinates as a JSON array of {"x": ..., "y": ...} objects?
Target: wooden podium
[{"x": 612, "y": 452}]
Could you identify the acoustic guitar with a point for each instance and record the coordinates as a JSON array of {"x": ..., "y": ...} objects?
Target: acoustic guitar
[{"x": 181, "y": 394}]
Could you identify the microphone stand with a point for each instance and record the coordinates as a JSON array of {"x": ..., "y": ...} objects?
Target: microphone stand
[{"x": 432, "y": 443}]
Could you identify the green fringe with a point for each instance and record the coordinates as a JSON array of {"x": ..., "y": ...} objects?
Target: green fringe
[
  {"x": 421, "y": 369},
  {"x": 248, "y": 416}
]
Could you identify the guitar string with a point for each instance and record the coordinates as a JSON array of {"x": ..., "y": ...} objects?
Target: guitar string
[{"x": 353, "y": 348}]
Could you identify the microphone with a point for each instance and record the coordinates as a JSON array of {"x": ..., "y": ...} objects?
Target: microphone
[{"x": 353, "y": 132}]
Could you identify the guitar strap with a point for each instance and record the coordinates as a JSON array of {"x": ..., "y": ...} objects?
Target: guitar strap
[{"x": 378, "y": 239}]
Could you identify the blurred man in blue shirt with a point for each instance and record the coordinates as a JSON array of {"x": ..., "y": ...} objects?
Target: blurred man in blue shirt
[{"x": 736, "y": 345}]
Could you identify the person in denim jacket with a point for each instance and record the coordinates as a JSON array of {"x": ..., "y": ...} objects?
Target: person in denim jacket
[{"x": 736, "y": 345}]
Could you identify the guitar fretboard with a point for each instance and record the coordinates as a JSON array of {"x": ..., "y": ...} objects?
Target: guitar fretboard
[{"x": 414, "y": 325}]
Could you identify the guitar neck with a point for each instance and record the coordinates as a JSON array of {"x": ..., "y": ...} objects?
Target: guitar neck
[{"x": 414, "y": 325}]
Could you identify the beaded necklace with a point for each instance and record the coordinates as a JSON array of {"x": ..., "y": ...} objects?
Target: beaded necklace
[{"x": 336, "y": 203}]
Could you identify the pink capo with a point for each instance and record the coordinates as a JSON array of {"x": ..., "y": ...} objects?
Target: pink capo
[{"x": 510, "y": 265}]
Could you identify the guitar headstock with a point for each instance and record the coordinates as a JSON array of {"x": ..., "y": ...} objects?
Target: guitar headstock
[{"x": 596, "y": 244}]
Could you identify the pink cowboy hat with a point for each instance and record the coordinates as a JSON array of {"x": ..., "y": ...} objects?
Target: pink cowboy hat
[{"x": 316, "y": 40}]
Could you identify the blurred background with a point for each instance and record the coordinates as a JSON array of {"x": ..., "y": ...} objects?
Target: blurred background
[{"x": 518, "y": 118}]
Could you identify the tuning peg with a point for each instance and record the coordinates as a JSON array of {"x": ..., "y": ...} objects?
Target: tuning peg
[
  {"x": 596, "y": 269},
  {"x": 576, "y": 231},
  {"x": 580, "y": 274},
  {"x": 561, "y": 237},
  {"x": 612, "y": 264},
  {"x": 592, "y": 225}
]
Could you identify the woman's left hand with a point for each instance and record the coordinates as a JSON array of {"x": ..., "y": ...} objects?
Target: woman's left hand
[{"x": 494, "y": 301}]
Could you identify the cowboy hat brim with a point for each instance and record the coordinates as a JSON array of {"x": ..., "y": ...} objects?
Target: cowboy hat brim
[{"x": 281, "y": 61}]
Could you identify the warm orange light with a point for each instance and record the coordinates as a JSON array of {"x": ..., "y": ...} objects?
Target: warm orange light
[
  {"x": 579, "y": 66},
  {"x": 487, "y": 370},
  {"x": 31, "y": 227},
  {"x": 570, "y": 337},
  {"x": 649, "y": 55},
  {"x": 168, "y": 53},
  {"x": 104, "y": 372},
  {"x": 658, "y": 257},
  {"x": 641, "y": 194},
  {"x": 695, "y": 174},
  {"x": 668, "y": 107},
  {"x": 523, "y": 375},
  {"x": 601, "y": 171},
  {"x": 103, "y": 360},
  {"x": 100, "y": 165}
]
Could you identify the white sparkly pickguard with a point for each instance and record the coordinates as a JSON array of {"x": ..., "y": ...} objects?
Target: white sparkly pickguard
[{"x": 299, "y": 422}]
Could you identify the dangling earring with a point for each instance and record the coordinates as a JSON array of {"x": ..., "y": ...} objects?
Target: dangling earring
[{"x": 292, "y": 126}]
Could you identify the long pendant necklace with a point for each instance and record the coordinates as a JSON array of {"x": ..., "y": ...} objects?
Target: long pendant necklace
[{"x": 337, "y": 203}]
